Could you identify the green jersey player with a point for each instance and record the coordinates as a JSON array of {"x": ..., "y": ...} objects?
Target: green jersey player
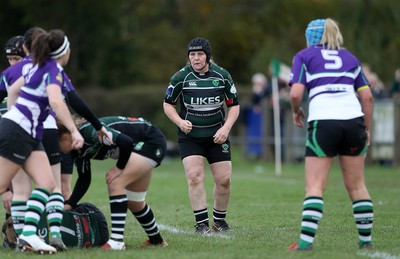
[
  {"x": 138, "y": 147},
  {"x": 208, "y": 109}
]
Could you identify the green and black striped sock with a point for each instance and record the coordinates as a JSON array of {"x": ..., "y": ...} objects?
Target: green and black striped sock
[
  {"x": 18, "y": 210},
  {"x": 54, "y": 209},
  {"x": 35, "y": 207},
  {"x": 312, "y": 214},
  {"x": 364, "y": 217}
]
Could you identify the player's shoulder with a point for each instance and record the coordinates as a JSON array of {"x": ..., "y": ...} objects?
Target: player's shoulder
[
  {"x": 17, "y": 67},
  {"x": 65, "y": 77},
  {"x": 107, "y": 119},
  {"x": 215, "y": 67},
  {"x": 6, "y": 71},
  {"x": 308, "y": 51},
  {"x": 307, "y": 54},
  {"x": 12, "y": 73},
  {"x": 59, "y": 67},
  {"x": 85, "y": 125},
  {"x": 346, "y": 53},
  {"x": 181, "y": 74},
  {"x": 51, "y": 67},
  {"x": 219, "y": 70}
]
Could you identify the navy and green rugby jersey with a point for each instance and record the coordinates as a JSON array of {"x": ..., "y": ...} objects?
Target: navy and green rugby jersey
[
  {"x": 116, "y": 125},
  {"x": 202, "y": 98},
  {"x": 128, "y": 135}
]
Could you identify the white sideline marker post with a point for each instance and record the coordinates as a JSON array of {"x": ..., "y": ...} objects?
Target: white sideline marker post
[{"x": 280, "y": 71}]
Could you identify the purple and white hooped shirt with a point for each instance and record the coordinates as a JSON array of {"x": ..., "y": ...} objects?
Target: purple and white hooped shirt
[
  {"x": 332, "y": 78},
  {"x": 32, "y": 106}
]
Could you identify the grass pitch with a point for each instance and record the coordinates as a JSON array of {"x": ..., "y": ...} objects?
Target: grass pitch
[{"x": 264, "y": 213}]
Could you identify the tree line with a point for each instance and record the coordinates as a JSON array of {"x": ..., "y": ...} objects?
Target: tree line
[{"x": 123, "y": 43}]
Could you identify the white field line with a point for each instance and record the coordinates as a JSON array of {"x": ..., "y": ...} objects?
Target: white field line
[
  {"x": 185, "y": 232},
  {"x": 180, "y": 231},
  {"x": 377, "y": 254}
]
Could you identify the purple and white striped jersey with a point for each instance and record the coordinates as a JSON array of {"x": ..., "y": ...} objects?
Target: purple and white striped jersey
[
  {"x": 12, "y": 73},
  {"x": 32, "y": 106},
  {"x": 332, "y": 78},
  {"x": 50, "y": 122}
]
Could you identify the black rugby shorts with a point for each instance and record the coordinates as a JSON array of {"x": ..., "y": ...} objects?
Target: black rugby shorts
[
  {"x": 205, "y": 147},
  {"x": 329, "y": 138},
  {"x": 15, "y": 143},
  {"x": 52, "y": 145}
]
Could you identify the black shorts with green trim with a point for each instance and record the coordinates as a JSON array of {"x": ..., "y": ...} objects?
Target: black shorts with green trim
[
  {"x": 329, "y": 138},
  {"x": 189, "y": 146},
  {"x": 154, "y": 147}
]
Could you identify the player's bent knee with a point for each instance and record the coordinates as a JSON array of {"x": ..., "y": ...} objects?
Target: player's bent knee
[{"x": 135, "y": 196}]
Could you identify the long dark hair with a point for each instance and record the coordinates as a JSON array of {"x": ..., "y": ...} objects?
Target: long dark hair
[
  {"x": 44, "y": 43},
  {"x": 29, "y": 36}
]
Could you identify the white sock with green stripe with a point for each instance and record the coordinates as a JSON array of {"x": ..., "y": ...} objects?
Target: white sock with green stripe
[
  {"x": 35, "y": 207},
  {"x": 18, "y": 210},
  {"x": 312, "y": 214},
  {"x": 54, "y": 209},
  {"x": 364, "y": 217}
]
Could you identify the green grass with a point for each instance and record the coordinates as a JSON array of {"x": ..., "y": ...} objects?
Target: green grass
[{"x": 264, "y": 212}]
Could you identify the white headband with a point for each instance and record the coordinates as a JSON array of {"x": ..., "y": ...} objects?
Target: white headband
[{"x": 61, "y": 50}]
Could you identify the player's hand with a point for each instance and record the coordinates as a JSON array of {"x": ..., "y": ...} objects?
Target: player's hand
[
  {"x": 185, "y": 126},
  {"x": 368, "y": 138},
  {"x": 77, "y": 140},
  {"x": 221, "y": 136},
  {"x": 113, "y": 174},
  {"x": 105, "y": 136},
  {"x": 7, "y": 199},
  {"x": 298, "y": 118},
  {"x": 67, "y": 207}
]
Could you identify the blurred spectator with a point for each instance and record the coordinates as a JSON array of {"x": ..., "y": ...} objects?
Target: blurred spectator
[
  {"x": 395, "y": 88},
  {"x": 366, "y": 69},
  {"x": 254, "y": 117},
  {"x": 259, "y": 87},
  {"x": 377, "y": 87}
]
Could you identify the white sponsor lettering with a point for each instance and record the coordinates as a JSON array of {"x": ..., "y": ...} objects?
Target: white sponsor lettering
[{"x": 205, "y": 100}]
